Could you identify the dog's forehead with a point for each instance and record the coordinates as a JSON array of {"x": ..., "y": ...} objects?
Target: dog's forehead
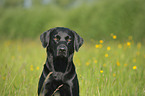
[{"x": 63, "y": 33}]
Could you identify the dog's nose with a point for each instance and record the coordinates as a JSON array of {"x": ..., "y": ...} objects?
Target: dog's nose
[{"x": 62, "y": 49}]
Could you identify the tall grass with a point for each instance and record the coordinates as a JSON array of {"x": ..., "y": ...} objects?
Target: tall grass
[
  {"x": 92, "y": 21},
  {"x": 120, "y": 74}
]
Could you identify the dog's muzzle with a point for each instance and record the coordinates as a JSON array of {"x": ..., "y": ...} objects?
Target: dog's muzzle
[{"x": 62, "y": 50}]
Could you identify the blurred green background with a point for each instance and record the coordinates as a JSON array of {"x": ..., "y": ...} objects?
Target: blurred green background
[{"x": 92, "y": 19}]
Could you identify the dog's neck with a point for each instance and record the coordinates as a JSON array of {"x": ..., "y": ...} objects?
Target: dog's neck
[{"x": 59, "y": 64}]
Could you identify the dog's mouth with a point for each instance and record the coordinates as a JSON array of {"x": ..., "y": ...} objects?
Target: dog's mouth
[
  {"x": 62, "y": 50},
  {"x": 62, "y": 54}
]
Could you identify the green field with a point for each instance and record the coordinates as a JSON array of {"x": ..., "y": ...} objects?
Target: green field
[
  {"x": 104, "y": 69},
  {"x": 111, "y": 67}
]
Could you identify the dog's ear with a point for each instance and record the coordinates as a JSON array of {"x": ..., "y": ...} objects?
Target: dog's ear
[
  {"x": 78, "y": 41},
  {"x": 45, "y": 36}
]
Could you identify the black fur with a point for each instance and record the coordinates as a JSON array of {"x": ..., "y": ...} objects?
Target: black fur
[{"x": 60, "y": 44}]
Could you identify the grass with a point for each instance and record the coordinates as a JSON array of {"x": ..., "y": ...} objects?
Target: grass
[
  {"x": 105, "y": 68},
  {"x": 99, "y": 75}
]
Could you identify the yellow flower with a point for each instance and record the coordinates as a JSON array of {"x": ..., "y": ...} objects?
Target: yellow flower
[
  {"x": 4, "y": 78},
  {"x": 104, "y": 65},
  {"x": 97, "y": 46},
  {"x": 130, "y": 37},
  {"x": 118, "y": 63},
  {"x": 82, "y": 81},
  {"x": 119, "y": 46},
  {"x": 106, "y": 55},
  {"x": 128, "y": 43},
  {"x": 95, "y": 61},
  {"x": 37, "y": 68},
  {"x": 31, "y": 69},
  {"x": 100, "y": 45},
  {"x": 87, "y": 63},
  {"x": 134, "y": 67},
  {"x": 139, "y": 45},
  {"x": 108, "y": 48},
  {"x": 111, "y": 34},
  {"x": 125, "y": 65},
  {"x": 114, "y": 74},
  {"x": 114, "y": 36},
  {"x": 101, "y": 41},
  {"x": 31, "y": 66},
  {"x": 101, "y": 71}
]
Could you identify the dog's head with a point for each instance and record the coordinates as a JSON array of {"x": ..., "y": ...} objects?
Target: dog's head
[{"x": 61, "y": 41}]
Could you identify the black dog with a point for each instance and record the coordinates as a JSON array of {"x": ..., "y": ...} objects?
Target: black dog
[{"x": 60, "y": 43}]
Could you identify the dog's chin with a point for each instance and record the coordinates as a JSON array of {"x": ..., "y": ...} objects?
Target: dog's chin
[{"x": 61, "y": 55}]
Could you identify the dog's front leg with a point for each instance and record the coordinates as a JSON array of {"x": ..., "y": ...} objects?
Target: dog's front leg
[
  {"x": 48, "y": 86},
  {"x": 66, "y": 90},
  {"x": 48, "y": 90}
]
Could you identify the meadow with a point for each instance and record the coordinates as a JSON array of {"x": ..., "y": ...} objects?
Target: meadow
[
  {"x": 104, "y": 68},
  {"x": 110, "y": 62}
]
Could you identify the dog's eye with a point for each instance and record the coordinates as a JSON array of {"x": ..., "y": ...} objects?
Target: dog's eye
[
  {"x": 56, "y": 38},
  {"x": 67, "y": 39}
]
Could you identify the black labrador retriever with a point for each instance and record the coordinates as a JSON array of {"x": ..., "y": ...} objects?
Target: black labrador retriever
[{"x": 60, "y": 43}]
